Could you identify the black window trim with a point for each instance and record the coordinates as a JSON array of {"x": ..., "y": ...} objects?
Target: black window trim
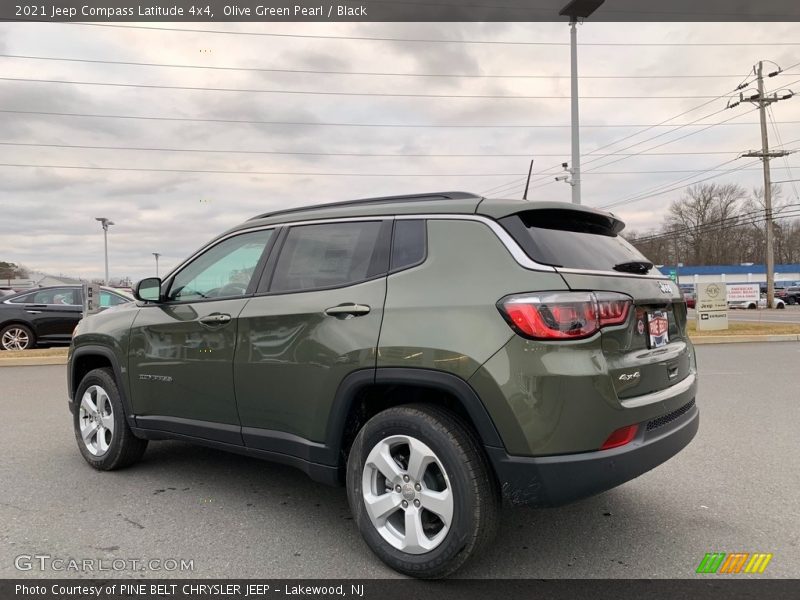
[
  {"x": 262, "y": 261},
  {"x": 424, "y": 250},
  {"x": 265, "y": 283}
]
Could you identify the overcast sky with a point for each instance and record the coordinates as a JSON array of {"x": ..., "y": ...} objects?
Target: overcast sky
[{"x": 47, "y": 214}]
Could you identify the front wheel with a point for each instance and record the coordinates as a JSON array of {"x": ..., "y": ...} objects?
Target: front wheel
[
  {"x": 421, "y": 490},
  {"x": 101, "y": 430}
]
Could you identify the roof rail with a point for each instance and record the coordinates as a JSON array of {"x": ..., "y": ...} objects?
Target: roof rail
[{"x": 380, "y": 200}]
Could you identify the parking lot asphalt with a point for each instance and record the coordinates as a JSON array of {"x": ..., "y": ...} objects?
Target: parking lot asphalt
[{"x": 734, "y": 489}]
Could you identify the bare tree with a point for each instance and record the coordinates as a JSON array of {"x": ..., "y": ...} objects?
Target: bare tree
[{"x": 701, "y": 220}]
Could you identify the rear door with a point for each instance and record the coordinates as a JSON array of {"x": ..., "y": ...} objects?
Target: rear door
[
  {"x": 650, "y": 352},
  {"x": 315, "y": 319},
  {"x": 55, "y": 312}
]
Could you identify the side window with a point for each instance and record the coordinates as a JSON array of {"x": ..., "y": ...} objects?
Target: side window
[
  {"x": 409, "y": 243},
  {"x": 24, "y": 299},
  {"x": 108, "y": 299},
  {"x": 330, "y": 255},
  {"x": 58, "y": 296},
  {"x": 224, "y": 271}
]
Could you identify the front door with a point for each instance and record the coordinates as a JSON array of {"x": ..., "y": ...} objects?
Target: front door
[{"x": 181, "y": 350}]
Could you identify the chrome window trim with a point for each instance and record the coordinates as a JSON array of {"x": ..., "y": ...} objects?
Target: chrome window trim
[{"x": 505, "y": 238}]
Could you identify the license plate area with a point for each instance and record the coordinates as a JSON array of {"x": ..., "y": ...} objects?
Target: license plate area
[{"x": 657, "y": 328}]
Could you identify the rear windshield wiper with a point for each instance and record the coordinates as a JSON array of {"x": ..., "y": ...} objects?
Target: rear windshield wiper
[{"x": 634, "y": 266}]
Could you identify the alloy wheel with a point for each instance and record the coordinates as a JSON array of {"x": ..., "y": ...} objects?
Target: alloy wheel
[
  {"x": 96, "y": 420},
  {"x": 407, "y": 494},
  {"x": 15, "y": 338}
]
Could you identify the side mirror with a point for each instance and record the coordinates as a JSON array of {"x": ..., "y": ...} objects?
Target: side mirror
[{"x": 148, "y": 290}]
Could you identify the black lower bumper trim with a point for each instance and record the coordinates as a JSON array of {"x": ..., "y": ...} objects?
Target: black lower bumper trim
[{"x": 558, "y": 480}]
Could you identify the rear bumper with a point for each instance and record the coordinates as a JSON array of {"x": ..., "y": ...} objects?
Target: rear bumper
[{"x": 557, "y": 480}]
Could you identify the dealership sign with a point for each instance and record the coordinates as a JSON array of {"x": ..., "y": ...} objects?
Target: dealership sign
[
  {"x": 743, "y": 292},
  {"x": 712, "y": 306}
]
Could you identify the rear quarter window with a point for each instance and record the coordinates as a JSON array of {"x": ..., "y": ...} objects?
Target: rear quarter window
[{"x": 571, "y": 239}]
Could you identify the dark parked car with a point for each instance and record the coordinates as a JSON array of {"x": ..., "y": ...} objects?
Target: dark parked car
[
  {"x": 46, "y": 315},
  {"x": 792, "y": 295},
  {"x": 433, "y": 354}
]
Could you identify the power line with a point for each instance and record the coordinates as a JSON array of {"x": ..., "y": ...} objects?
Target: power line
[
  {"x": 715, "y": 222},
  {"x": 667, "y": 187},
  {"x": 428, "y": 40},
  {"x": 325, "y": 174},
  {"x": 780, "y": 144},
  {"x": 302, "y": 153},
  {"x": 691, "y": 133},
  {"x": 193, "y": 88},
  {"x": 738, "y": 222},
  {"x": 234, "y": 172},
  {"x": 346, "y": 124},
  {"x": 549, "y": 170},
  {"x": 366, "y": 73},
  {"x": 741, "y": 85}
]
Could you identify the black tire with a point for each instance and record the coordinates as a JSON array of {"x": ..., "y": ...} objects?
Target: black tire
[
  {"x": 475, "y": 493},
  {"x": 124, "y": 448},
  {"x": 31, "y": 337},
  {"x": 780, "y": 306}
]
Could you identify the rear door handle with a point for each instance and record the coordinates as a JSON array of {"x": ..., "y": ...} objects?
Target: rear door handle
[
  {"x": 347, "y": 310},
  {"x": 33, "y": 312},
  {"x": 215, "y": 319}
]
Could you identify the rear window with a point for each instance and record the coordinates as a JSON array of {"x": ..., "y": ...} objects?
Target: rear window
[{"x": 571, "y": 239}]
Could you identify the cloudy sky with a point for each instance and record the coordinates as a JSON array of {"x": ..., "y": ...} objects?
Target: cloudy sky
[{"x": 142, "y": 176}]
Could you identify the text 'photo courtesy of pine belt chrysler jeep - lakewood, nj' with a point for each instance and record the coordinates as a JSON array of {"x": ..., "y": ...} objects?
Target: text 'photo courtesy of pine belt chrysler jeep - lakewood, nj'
[{"x": 436, "y": 354}]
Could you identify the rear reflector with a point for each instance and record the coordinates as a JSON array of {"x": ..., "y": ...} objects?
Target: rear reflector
[
  {"x": 564, "y": 315},
  {"x": 620, "y": 437}
]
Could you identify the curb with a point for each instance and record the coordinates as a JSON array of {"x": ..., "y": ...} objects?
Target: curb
[
  {"x": 735, "y": 339},
  {"x": 33, "y": 361}
]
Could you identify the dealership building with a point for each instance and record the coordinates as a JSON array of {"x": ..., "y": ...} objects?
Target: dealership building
[{"x": 746, "y": 273}]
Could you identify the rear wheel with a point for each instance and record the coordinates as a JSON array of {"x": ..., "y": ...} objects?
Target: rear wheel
[
  {"x": 101, "y": 430},
  {"x": 421, "y": 490},
  {"x": 17, "y": 337}
]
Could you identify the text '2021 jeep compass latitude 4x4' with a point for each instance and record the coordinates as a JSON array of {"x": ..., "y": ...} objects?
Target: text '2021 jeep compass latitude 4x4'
[{"x": 434, "y": 353}]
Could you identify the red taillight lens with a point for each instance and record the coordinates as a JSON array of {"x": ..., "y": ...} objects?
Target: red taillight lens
[
  {"x": 564, "y": 315},
  {"x": 620, "y": 437}
]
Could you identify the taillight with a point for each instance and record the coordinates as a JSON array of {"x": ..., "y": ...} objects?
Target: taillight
[
  {"x": 564, "y": 315},
  {"x": 620, "y": 437}
]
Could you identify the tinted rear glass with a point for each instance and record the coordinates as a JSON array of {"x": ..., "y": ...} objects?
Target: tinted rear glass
[
  {"x": 408, "y": 247},
  {"x": 571, "y": 239}
]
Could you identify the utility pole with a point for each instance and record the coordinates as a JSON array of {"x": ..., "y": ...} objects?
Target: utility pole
[
  {"x": 156, "y": 254},
  {"x": 765, "y": 155},
  {"x": 528, "y": 182}
]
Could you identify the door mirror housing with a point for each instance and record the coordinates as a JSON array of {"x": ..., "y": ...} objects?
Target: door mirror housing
[{"x": 148, "y": 290}]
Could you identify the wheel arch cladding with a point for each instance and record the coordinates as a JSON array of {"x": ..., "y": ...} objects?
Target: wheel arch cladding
[
  {"x": 362, "y": 394},
  {"x": 85, "y": 359}
]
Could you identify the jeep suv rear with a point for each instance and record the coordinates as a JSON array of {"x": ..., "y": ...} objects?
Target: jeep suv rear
[{"x": 435, "y": 354}]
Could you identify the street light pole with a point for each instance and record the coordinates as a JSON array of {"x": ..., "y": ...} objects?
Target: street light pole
[
  {"x": 576, "y": 142},
  {"x": 105, "y": 224},
  {"x": 576, "y": 9},
  {"x": 156, "y": 254}
]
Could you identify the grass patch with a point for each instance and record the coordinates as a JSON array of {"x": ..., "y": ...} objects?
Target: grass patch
[
  {"x": 748, "y": 329},
  {"x": 62, "y": 351}
]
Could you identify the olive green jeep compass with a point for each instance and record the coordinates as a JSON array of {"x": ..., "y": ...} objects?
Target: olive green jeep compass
[{"x": 436, "y": 354}]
